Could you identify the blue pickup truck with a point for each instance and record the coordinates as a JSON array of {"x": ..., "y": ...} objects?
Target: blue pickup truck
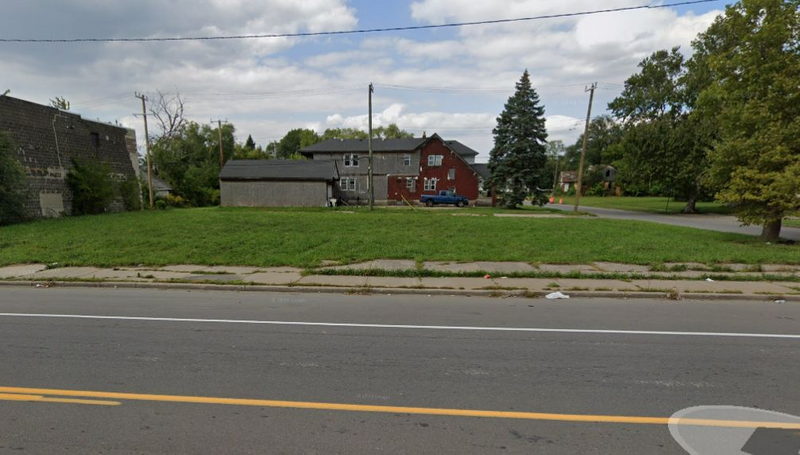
[{"x": 444, "y": 197}]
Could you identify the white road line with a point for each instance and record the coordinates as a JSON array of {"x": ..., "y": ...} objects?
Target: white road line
[{"x": 407, "y": 326}]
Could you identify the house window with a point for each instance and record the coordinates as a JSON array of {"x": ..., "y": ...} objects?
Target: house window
[
  {"x": 406, "y": 160},
  {"x": 435, "y": 160},
  {"x": 411, "y": 184},
  {"x": 350, "y": 160},
  {"x": 430, "y": 184},
  {"x": 348, "y": 184},
  {"x": 451, "y": 174}
]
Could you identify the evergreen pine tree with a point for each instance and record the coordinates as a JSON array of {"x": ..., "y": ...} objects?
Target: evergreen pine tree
[
  {"x": 517, "y": 161},
  {"x": 250, "y": 144}
]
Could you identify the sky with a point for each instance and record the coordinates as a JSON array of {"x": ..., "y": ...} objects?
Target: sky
[{"x": 450, "y": 81}]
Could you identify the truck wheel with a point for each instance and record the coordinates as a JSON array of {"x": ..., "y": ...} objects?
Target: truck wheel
[
  {"x": 429, "y": 203},
  {"x": 460, "y": 203}
]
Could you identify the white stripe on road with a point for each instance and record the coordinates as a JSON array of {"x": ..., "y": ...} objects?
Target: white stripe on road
[{"x": 406, "y": 326}]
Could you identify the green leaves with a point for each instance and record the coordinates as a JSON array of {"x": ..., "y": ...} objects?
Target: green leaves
[
  {"x": 517, "y": 161},
  {"x": 12, "y": 178},
  {"x": 754, "y": 69}
]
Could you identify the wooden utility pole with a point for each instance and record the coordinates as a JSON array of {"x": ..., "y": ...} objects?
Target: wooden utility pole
[
  {"x": 579, "y": 183},
  {"x": 221, "y": 154},
  {"x": 147, "y": 149},
  {"x": 369, "y": 147}
]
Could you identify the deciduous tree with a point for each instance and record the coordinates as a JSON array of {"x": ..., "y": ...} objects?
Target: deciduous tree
[{"x": 753, "y": 55}]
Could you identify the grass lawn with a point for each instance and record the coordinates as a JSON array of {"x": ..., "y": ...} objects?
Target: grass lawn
[
  {"x": 646, "y": 204},
  {"x": 305, "y": 237},
  {"x": 793, "y": 222}
]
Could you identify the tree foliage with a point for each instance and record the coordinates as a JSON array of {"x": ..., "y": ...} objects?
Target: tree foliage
[
  {"x": 12, "y": 179},
  {"x": 188, "y": 160},
  {"x": 663, "y": 147},
  {"x": 604, "y": 132},
  {"x": 517, "y": 160},
  {"x": 289, "y": 146},
  {"x": 91, "y": 186},
  {"x": 60, "y": 102},
  {"x": 753, "y": 62}
]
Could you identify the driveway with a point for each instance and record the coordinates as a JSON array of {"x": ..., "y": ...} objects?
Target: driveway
[{"x": 711, "y": 222}]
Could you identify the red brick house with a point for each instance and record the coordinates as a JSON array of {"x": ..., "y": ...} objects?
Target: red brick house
[{"x": 442, "y": 166}]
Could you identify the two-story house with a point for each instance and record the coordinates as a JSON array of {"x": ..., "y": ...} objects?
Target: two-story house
[{"x": 402, "y": 168}]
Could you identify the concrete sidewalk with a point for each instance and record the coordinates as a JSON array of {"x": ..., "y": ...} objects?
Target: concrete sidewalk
[{"x": 773, "y": 282}]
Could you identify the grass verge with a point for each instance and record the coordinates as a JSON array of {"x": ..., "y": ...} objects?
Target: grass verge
[{"x": 306, "y": 237}]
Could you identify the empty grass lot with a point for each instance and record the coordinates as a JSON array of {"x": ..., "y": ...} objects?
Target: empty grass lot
[
  {"x": 646, "y": 204},
  {"x": 305, "y": 237}
]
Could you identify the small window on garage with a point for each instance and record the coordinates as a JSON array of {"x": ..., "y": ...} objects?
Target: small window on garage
[{"x": 451, "y": 174}]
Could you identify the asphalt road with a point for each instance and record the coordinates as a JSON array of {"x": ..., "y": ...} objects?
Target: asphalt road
[
  {"x": 711, "y": 222},
  {"x": 403, "y": 356}
]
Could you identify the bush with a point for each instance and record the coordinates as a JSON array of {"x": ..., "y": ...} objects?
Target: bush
[
  {"x": 92, "y": 187},
  {"x": 12, "y": 179},
  {"x": 175, "y": 201},
  {"x": 128, "y": 190}
]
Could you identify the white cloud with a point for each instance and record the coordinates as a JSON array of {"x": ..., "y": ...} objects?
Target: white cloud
[{"x": 268, "y": 86}]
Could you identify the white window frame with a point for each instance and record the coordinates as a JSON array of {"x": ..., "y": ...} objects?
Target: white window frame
[
  {"x": 350, "y": 160},
  {"x": 430, "y": 183},
  {"x": 451, "y": 173},
  {"x": 411, "y": 184},
  {"x": 406, "y": 160},
  {"x": 348, "y": 184},
  {"x": 435, "y": 160}
]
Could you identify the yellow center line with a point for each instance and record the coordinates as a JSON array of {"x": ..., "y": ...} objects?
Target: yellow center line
[
  {"x": 41, "y": 398},
  {"x": 399, "y": 409}
]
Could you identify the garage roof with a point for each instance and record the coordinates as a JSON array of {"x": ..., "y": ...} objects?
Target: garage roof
[{"x": 279, "y": 170}]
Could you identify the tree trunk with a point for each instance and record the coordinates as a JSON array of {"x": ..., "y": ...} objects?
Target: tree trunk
[
  {"x": 691, "y": 206},
  {"x": 771, "y": 230}
]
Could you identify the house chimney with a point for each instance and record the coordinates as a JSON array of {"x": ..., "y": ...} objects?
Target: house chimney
[{"x": 424, "y": 135}]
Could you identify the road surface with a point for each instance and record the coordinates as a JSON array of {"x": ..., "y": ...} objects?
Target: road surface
[
  {"x": 247, "y": 372},
  {"x": 711, "y": 222}
]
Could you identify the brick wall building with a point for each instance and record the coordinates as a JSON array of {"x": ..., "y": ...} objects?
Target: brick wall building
[
  {"x": 48, "y": 139},
  {"x": 403, "y": 168},
  {"x": 441, "y": 167}
]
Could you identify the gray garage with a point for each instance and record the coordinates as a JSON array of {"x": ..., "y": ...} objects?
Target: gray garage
[{"x": 278, "y": 183}]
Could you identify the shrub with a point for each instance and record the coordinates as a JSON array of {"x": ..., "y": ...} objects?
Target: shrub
[
  {"x": 92, "y": 187},
  {"x": 128, "y": 190},
  {"x": 12, "y": 178}
]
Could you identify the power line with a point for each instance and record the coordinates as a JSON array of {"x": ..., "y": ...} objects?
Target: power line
[{"x": 349, "y": 32}]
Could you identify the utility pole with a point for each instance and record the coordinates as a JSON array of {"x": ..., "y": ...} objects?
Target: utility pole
[
  {"x": 369, "y": 147},
  {"x": 579, "y": 183},
  {"x": 221, "y": 155},
  {"x": 147, "y": 149}
]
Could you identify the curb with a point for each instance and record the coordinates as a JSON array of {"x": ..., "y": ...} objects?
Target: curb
[{"x": 400, "y": 291}]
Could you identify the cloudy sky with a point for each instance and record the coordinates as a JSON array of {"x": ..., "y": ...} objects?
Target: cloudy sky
[{"x": 452, "y": 81}]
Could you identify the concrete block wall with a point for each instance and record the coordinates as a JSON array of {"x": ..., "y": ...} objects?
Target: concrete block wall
[{"x": 47, "y": 139}]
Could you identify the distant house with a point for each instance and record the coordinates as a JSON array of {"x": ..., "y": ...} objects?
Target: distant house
[
  {"x": 49, "y": 139},
  {"x": 161, "y": 188},
  {"x": 483, "y": 175},
  {"x": 402, "y": 168},
  {"x": 278, "y": 183},
  {"x": 567, "y": 180}
]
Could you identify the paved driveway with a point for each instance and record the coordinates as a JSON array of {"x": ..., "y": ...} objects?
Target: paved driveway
[{"x": 722, "y": 223}]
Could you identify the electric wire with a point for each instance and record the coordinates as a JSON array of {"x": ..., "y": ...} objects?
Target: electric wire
[{"x": 349, "y": 32}]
